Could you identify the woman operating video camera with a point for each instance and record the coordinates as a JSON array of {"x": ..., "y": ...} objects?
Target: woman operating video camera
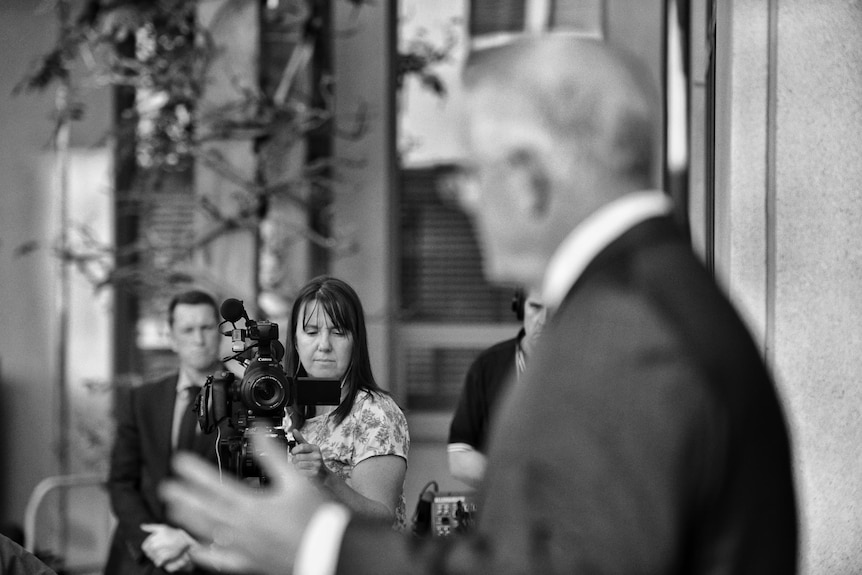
[{"x": 356, "y": 450}]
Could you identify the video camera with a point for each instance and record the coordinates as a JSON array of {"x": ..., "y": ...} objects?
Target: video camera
[{"x": 256, "y": 403}]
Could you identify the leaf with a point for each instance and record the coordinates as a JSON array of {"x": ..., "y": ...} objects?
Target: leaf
[
  {"x": 435, "y": 84},
  {"x": 51, "y": 67},
  {"x": 26, "y": 248}
]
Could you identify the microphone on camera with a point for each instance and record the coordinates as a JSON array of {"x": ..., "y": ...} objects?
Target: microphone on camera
[{"x": 233, "y": 310}]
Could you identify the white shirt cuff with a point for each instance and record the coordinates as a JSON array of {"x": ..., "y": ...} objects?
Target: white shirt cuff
[
  {"x": 321, "y": 541},
  {"x": 456, "y": 447}
]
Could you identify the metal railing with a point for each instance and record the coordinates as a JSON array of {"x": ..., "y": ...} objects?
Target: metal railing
[{"x": 81, "y": 521}]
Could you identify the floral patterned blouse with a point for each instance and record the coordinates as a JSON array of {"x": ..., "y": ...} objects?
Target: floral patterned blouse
[{"x": 375, "y": 426}]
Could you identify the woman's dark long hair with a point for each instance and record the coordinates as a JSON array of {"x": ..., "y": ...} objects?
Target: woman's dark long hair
[{"x": 342, "y": 305}]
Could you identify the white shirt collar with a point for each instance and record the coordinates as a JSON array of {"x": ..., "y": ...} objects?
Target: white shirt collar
[
  {"x": 593, "y": 235},
  {"x": 185, "y": 381}
]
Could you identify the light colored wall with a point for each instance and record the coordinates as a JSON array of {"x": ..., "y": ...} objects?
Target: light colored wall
[
  {"x": 789, "y": 215},
  {"x": 25, "y": 283},
  {"x": 29, "y": 319}
]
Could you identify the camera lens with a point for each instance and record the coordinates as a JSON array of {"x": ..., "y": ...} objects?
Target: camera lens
[
  {"x": 267, "y": 392},
  {"x": 264, "y": 391}
]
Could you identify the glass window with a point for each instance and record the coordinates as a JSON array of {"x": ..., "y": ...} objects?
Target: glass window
[{"x": 448, "y": 312}]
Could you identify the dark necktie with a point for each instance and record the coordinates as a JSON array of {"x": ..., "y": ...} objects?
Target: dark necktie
[{"x": 189, "y": 420}]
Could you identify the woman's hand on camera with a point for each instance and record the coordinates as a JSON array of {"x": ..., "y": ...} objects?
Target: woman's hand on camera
[{"x": 307, "y": 458}]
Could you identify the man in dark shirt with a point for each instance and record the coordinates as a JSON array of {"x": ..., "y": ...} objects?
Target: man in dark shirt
[{"x": 484, "y": 384}]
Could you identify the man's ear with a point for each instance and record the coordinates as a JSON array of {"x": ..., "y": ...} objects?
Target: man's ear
[{"x": 530, "y": 175}]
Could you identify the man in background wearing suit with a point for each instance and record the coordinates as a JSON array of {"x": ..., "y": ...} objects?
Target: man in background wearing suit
[
  {"x": 155, "y": 420},
  {"x": 648, "y": 436}
]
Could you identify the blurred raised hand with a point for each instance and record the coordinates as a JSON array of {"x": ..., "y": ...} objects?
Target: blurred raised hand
[{"x": 240, "y": 527}]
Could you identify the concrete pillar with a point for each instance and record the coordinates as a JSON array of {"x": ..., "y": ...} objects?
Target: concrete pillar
[
  {"x": 363, "y": 55},
  {"x": 788, "y": 219},
  {"x": 231, "y": 260}
]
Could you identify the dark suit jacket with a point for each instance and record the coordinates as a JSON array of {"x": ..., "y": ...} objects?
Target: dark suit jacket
[
  {"x": 15, "y": 560},
  {"x": 647, "y": 438},
  {"x": 140, "y": 460}
]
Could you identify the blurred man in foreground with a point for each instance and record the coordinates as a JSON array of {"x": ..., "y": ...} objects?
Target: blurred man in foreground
[{"x": 647, "y": 437}]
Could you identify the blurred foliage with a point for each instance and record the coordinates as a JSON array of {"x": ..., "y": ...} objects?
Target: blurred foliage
[
  {"x": 158, "y": 55},
  {"x": 421, "y": 55},
  {"x": 152, "y": 46}
]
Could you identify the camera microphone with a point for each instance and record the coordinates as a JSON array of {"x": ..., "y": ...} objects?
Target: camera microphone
[{"x": 232, "y": 310}]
